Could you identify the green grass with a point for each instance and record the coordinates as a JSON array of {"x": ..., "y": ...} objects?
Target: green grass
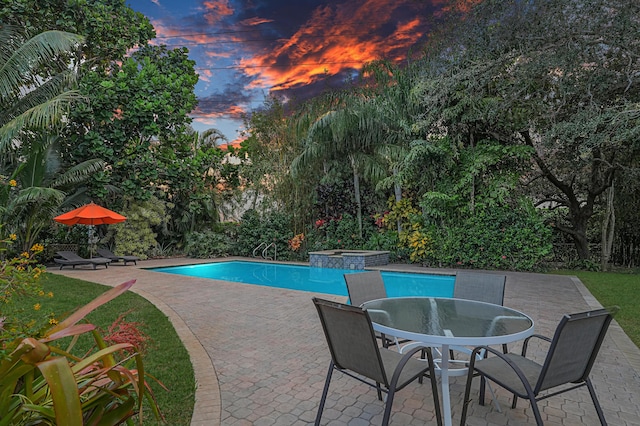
[
  {"x": 611, "y": 289},
  {"x": 166, "y": 359}
]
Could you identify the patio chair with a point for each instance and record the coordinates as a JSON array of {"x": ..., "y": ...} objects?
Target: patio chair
[
  {"x": 365, "y": 286},
  {"x": 480, "y": 287},
  {"x": 569, "y": 360},
  {"x": 114, "y": 258},
  {"x": 355, "y": 352},
  {"x": 69, "y": 258}
]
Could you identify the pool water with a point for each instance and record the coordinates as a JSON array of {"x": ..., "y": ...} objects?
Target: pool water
[{"x": 315, "y": 280}]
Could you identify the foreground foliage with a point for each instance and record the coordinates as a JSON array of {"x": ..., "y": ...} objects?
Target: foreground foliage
[
  {"x": 166, "y": 358},
  {"x": 43, "y": 383}
]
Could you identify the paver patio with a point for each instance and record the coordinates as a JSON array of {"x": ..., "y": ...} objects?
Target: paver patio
[{"x": 260, "y": 357}]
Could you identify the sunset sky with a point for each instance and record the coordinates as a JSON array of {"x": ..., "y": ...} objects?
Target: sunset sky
[{"x": 246, "y": 49}]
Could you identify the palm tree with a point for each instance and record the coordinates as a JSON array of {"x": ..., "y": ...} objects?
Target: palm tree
[
  {"x": 34, "y": 81},
  {"x": 44, "y": 185},
  {"x": 345, "y": 132},
  {"x": 395, "y": 110},
  {"x": 35, "y": 94}
]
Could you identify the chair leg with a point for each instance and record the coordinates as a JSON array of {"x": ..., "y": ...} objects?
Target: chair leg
[
  {"x": 594, "y": 398},
  {"x": 536, "y": 412},
  {"x": 385, "y": 342},
  {"x": 325, "y": 391},
  {"x": 466, "y": 401},
  {"x": 422, "y": 356},
  {"x": 387, "y": 406}
]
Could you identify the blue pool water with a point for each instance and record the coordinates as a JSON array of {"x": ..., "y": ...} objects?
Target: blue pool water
[{"x": 316, "y": 280}]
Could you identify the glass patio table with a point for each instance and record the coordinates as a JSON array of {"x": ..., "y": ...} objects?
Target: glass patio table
[{"x": 446, "y": 324}]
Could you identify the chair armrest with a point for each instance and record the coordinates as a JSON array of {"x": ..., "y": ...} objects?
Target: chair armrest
[
  {"x": 434, "y": 388},
  {"x": 525, "y": 345},
  {"x": 507, "y": 361}
]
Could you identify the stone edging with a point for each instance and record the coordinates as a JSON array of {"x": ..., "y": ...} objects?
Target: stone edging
[{"x": 208, "y": 401}]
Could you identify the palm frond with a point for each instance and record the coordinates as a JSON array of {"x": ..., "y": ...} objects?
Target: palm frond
[
  {"x": 40, "y": 116},
  {"x": 40, "y": 195},
  {"x": 56, "y": 85},
  {"x": 79, "y": 173},
  {"x": 38, "y": 50}
]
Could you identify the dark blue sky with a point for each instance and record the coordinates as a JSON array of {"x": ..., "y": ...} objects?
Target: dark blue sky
[{"x": 246, "y": 49}]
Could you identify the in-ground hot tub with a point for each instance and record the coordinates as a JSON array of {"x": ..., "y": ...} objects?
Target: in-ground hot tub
[{"x": 348, "y": 259}]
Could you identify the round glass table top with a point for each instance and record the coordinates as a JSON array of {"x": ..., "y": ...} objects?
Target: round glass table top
[{"x": 445, "y": 320}]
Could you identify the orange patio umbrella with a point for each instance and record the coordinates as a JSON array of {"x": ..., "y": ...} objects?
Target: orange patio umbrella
[{"x": 90, "y": 214}]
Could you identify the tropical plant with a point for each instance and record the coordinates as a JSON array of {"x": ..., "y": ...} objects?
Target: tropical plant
[
  {"x": 35, "y": 81},
  {"x": 272, "y": 142},
  {"x": 136, "y": 235},
  {"x": 42, "y": 383},
  {"x": 43, "y": 185},
  {"x": 207, "y": 244},
  {"x": 342, "y": 133}
]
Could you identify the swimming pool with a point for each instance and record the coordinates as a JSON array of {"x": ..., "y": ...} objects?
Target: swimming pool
[{"x": 316, "y": 280}]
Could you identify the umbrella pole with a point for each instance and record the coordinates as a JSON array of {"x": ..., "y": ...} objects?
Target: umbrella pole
[{"x": 91, "y": 238}]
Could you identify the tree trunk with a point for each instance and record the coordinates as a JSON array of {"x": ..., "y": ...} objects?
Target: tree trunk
[
  {"x": 608, "y": 230},
  {"x": 356, "y": 190},
  {"x": 397, "y": 190},
  {"x": 579, "y": 216}
]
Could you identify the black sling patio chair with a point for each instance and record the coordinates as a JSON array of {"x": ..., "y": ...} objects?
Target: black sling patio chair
[
  {"x": 365, "y": 286},
  {"x": 355, "y": 352},
  {"x": 481, "y": 287},
  {"x": 569, "y": 360}
]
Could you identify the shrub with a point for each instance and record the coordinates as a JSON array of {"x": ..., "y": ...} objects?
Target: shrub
[
  {"x": 494, "y": 238},
  {"x": 270, "y": 228},
  {"x": 135, "y": 235},
  {"x": 341, "y": 233},
  {"x": 207, "y": 244}
]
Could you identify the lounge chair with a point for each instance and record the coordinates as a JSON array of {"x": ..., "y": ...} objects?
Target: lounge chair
[
  {"x": 114, "y": 258},
  {"x": 69, "y": 258},
  {"x": 569, "y": 360}
]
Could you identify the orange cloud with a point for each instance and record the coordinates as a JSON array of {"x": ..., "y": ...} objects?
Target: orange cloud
[
  {"x": 208, "y": 117},
  {"x": 205, "y": 75},
  {"x": 215, "y": 10},
  {"x": 335, "y": 39},
  {"x": 255, "y": 21}
]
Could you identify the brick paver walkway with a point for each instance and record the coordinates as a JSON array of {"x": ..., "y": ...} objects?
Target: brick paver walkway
[{"x": 260, "y": 357}]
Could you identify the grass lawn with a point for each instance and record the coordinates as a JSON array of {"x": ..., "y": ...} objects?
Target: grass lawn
[
  {"x": 621, "y": 289},
  {"x": 167, "y": 359}
]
